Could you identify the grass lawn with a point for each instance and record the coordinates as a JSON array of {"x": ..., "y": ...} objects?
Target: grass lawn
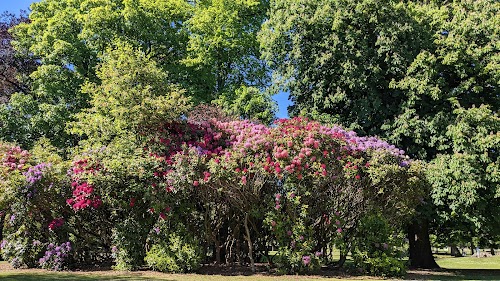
[
  {"x": 466, "y": 268},
  {"x": 469, "y": 262}
]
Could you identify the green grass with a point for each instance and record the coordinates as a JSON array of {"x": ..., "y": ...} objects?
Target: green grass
[
  {"x": 466, "y": 268},
  {"x": 469, "y": 262},
  {"x": 463, "y": 268}
]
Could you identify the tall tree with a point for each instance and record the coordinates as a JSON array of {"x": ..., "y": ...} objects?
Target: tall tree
[
  {"x": 206, "y": 47},
  {"x": 224, "y": 53},
  {"x": 396, "y": 69},
  {"x": 14, "y": 67},
  {"x": 223, "y": 44}
]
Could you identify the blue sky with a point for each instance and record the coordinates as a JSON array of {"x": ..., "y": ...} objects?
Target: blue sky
[{"x": 16, "y": 5}]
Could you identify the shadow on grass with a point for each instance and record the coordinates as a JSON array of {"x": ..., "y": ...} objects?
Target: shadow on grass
[
  {"x": 455, "y": 274},
  {"x": 73, "y": 277}
]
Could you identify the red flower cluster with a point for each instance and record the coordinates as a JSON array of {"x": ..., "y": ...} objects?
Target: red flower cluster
[{"x": 56, "y": 223}]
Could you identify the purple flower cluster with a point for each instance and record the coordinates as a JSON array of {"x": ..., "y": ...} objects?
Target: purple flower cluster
[
  {"x": 55, "y": 256},
  {"x": 33, "y": 175},
  {"x": 362, "y": 143},
  {"x": 3, "y": 244}
]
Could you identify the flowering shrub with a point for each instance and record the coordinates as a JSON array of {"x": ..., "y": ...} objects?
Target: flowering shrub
[
  {"x": 236, "y": 187},
  {"x": 310, "y": 171},
  {"x": 36, "y": 208},
  {"x": 18, "y": 249}
]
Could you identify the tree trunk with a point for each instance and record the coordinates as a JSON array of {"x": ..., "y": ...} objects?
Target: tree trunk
[
  {"x": 2, "y": 219},
  {"x": 217, "y": 252},
  {"x": 250, "y": 246},
  {"x": 343, "y": 257},
  {"x": 420, "y": 246},
  {"x": 455, "y": 251},
  {"x": 492, "y": 251}
]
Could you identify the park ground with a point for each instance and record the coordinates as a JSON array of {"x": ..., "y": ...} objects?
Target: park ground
[{"x": 464, "y": 268}]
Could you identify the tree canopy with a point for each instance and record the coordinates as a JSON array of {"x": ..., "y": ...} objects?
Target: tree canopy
[{"x": 390, "y": 68}]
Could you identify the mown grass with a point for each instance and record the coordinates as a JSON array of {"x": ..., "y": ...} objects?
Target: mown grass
[
  {"x": 470, "y": 262},
  {"x": 465, "y": 268}
]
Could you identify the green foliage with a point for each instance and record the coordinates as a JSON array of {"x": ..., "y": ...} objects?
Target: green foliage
[
  {"x": 460, "y": 67},
  {"x": 249, "y": 103},
  {"x": 134, "y": 94},
  {"x": 223, "y": 46},
  {"x": 376, "y": 249},
  {"x": 175, "y": 253},
  {"x": 338, "y": 57},
  {"x": 465, "y": 184},
  {"x": 129, "y": 237}
]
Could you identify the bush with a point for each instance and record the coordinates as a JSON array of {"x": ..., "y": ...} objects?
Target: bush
[
  {"x": 375, "y": 248},
  {"x": 175, "y": 255},
  {"x": 19, "y": 249},
  {"x": 129, "y": 237},
  {"x": 384, "y": 265},
  {"x": 289, "y": 261}
]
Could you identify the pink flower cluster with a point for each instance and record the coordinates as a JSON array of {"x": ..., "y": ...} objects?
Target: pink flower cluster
[
  {"x": 14, "y": 158},
  {"x": 296, "y": 149},
  {"x": 83, "y": 196}
]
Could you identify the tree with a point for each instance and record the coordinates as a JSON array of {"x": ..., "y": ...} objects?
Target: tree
[
  {"x": 466, "y": 183},
  {"x": 134, "y": 95},
  {"x": 249, "y": 103},
  {"x": 338, "y": 57},
  {"x": 390, "y": 68},
  {"x": 223, "y": 46},
  {"x": 14, "y": 67},
  {"x": 70, "y": 37}
]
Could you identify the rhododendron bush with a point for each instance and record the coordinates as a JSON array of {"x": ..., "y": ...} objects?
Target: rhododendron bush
[
  {"x": 310, "y": 184},
  {"x": 238, "y": 188}
]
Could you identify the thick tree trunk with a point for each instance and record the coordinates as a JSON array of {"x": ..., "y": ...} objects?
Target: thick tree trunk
[
  {"x": 420, "y": 246},
  {"x": 455, "y": 251}
]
